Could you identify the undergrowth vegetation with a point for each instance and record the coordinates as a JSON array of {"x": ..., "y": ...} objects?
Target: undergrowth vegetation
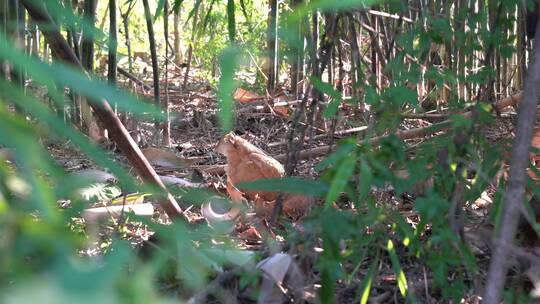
[{"x": 371, "y": 227}]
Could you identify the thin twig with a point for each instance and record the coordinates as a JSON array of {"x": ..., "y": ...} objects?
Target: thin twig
[{"x": 387, "y": 15}]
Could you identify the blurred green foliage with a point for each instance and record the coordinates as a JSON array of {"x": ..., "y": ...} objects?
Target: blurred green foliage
[{"x": 43, "y": 260}]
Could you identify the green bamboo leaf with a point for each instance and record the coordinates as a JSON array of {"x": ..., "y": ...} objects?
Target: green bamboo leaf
[
  {"x": 65, "y": 16},
  {"x": 341, "y": 178},
  {"x": 244, "y": 12},
  {"x": 41, "y": 112},
  {"x": 366, "y": 177},
  {"x": 288, "y": 185},
  {"x": 367, "y": 281},
  {"x": 176, "y": 6},
  {"x": 202, "y": 29},
  {"x": 194, "y": 10},
  {"x": 403, "y": 229},
  {"x": 159, "y": 9},
  {"x": 343, "y": 150},
  {"x": 330, "y": 5},
  {"x": 228, "y": 63},
  {"x": 342, "y": 5},
  {"x": 97, "y": 278},
  {"x": 75, "y": 79},
  {"x": 400, "y": 275},
  {"x": 334, "y": 95},
  {"x": 35, "y": 192}
]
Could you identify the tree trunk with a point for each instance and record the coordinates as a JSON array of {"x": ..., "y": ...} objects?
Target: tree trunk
[
  {"x": 297, "y": 54},
  {"x": 521, "y": 48},
  {"x": 125, "y": 20},
  {"x": 3, "y": 29},
  {"x": 21, "y": 33},
  {"x": 29, "y": 38},
  {"x": 74, "y": 111},
  {"x": 341, "y": 70},
  {"x": 190, "y": 50},
  {"x": 178, "y": 58},
  {"x": 46, "y": 50},
  {"x": 16, "y": 29},
  {"x": 315, "y": 70},
  {"x": 153, "y": 53},
  {"x": 513, "y": 198},
  {"x": 272, "y": 45},
  {"x": 87, "y": 40},
  {"x": 378, "y": 57},
  {"x": 113, "y": 45},
  {"x": 71, "y": 35},
  {"x": 330, "y": 72},
  {"x": 87, "y": 55},
  {"x": 102, "y": 23},
  {"x": 460, "y": 57},
  {"x": 166, "y": 127},
  {"x": 356, "y": 65}
]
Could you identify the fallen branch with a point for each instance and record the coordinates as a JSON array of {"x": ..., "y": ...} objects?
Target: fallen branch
[
  {"x": 319, "y": 136},
  {"x": 94, "y": 214},
  {"x": 404, "y": 135},
  {"x": 392, "y": 16},
  {"x": 263, "y": 105},
  {"x": 408, "y": 134},
  {"x": 102, "y": 109},
  {"x": 133, "y": 78},
  {"x": 425, "y": 116}
]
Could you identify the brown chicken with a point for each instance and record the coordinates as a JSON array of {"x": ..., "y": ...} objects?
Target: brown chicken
[
  {"x": 295, "y": 206},
  {"x": 246, "y": 163},
  {"x": 526, "y": 232},
  {"x": 534, "y": 156}
]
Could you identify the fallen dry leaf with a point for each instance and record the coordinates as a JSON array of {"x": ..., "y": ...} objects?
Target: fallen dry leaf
[
  {"x": 250, "y": 234},
  {"x": 282, "y": 111},
  {"x": 242, "y": 95},
  {"x": 281, "y": 275},
  {"x": 162, "y": 158}
]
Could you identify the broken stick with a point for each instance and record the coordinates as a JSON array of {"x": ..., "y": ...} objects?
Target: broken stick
[{"x": 102, "y": 108}]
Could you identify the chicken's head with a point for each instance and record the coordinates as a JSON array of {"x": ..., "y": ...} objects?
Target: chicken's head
[{"x": 227, "y": 144}]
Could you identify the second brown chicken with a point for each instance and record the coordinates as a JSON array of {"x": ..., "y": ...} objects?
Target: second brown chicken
[{"x": 245, "y": 163}]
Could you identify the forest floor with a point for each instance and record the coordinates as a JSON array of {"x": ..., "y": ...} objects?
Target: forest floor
[{"x": 195, "y": 131}]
